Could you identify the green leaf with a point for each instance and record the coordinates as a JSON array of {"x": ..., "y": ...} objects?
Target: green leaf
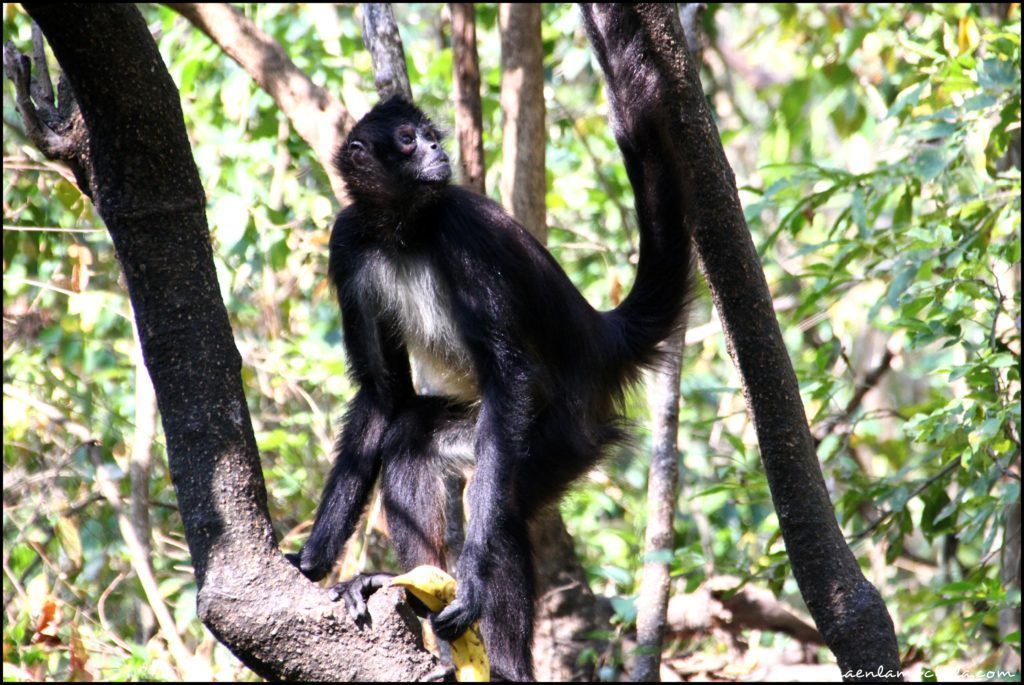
[
  {"x": 998, "y": 74},
  {"x": 930, "y": 162},
  {"x": 67, "y": 193}
]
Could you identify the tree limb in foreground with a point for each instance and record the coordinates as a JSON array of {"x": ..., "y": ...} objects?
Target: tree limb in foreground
[{"x": 146, "y": 187}]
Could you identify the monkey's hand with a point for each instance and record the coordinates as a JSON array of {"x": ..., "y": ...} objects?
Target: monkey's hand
[
  {"x": 456, "y": 618},
  {"x": 356, "y": 590}
]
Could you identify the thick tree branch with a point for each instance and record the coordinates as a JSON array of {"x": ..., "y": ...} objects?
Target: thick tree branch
[
  {"x": 146, "y": 187},
  {"x": 317, "y": 115}
]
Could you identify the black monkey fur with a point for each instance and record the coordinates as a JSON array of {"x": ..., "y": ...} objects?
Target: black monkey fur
[{"x": 529, "y": 376}]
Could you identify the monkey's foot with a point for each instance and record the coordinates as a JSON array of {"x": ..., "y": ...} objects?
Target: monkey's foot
[{"x": 456, "y": 618}]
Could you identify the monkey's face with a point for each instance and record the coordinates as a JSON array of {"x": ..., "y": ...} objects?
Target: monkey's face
[{"x": 394, "y": 154}]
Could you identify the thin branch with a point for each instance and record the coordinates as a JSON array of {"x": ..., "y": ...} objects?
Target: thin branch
[
  {"x": 869, "y": 381},
  {"x": 57, "y": 131},
  {"x": 52, "y": 229},
  {"x": 42, "y": 87},
  {"x": 101, "y": 606},
  {"x": 18, "y": 69},
  {"x": 138, "y": 555},
  {"x": 946, "y": 470}
]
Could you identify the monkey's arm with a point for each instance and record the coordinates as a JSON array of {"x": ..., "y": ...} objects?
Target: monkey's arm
[{"x": 379, "y": 364}]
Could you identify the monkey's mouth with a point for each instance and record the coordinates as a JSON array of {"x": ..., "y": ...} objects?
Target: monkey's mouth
[{"x": 438, "y": 171}]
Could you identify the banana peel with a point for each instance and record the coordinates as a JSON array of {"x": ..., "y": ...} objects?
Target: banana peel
[{"x": 436, "y": 589}]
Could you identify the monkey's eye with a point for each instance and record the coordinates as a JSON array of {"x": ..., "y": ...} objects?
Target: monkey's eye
[
  {"x": 406, "y": 138},
  {"x": 356, "y": 146}
]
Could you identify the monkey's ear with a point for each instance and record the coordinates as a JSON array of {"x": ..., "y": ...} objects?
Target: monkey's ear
[{"x": 356, "y": 152}]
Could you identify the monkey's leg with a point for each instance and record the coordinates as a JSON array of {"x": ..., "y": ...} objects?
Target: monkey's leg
[
  {"x": 421, "y": 444},
  {"x": 414, "y": 502},
  {"x": 413, "y": 451},
  {"x": 507, "y": 620}
]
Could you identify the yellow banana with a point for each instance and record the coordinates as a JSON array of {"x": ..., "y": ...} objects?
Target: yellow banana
[{"x": 436, "y": 589}]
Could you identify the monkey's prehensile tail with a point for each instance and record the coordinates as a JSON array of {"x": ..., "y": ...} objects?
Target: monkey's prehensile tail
[{"x": 647, "y": 123}]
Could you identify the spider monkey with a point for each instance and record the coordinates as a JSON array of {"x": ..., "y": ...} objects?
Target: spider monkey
[{"x": 528, "y": 377}]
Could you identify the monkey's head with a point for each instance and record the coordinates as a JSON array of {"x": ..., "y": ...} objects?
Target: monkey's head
[{"x": 393, "y": 155}]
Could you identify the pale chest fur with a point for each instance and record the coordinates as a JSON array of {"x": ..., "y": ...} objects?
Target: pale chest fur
[{"x": 411, "y": 295}]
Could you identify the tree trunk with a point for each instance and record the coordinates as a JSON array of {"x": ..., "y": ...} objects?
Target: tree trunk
[
  {"x": 523, "y": 185},
  {"x": 568, "y": 613},
  {"x": 468, "y": 110},
  {"x": 663, "y": 479}
]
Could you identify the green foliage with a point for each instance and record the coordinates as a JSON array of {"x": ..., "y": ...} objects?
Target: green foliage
[{"x": 877, "y": 150}]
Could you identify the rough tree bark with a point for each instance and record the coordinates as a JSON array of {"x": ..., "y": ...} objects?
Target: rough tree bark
[
  {"x": 384, "y": 43},
  {"x": 662, "y": 482},
  {"x": 523, "y": 185},
  {"x": 317, "y": 115},
  {"x": 663, "y": 478},
  {"x": 468, "y": 110},
  {"x": 847, "y": 609},
  {"x": 145, "y": 185}
]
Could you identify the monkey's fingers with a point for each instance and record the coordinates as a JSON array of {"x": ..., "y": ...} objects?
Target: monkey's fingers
[{"x": 355, "y": 591}]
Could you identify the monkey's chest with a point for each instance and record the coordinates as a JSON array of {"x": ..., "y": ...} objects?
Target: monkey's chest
[{"x": 410, "y": 294}]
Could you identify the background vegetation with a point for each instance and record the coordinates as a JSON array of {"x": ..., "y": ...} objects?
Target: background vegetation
[{"x": 878, "y": 151}]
